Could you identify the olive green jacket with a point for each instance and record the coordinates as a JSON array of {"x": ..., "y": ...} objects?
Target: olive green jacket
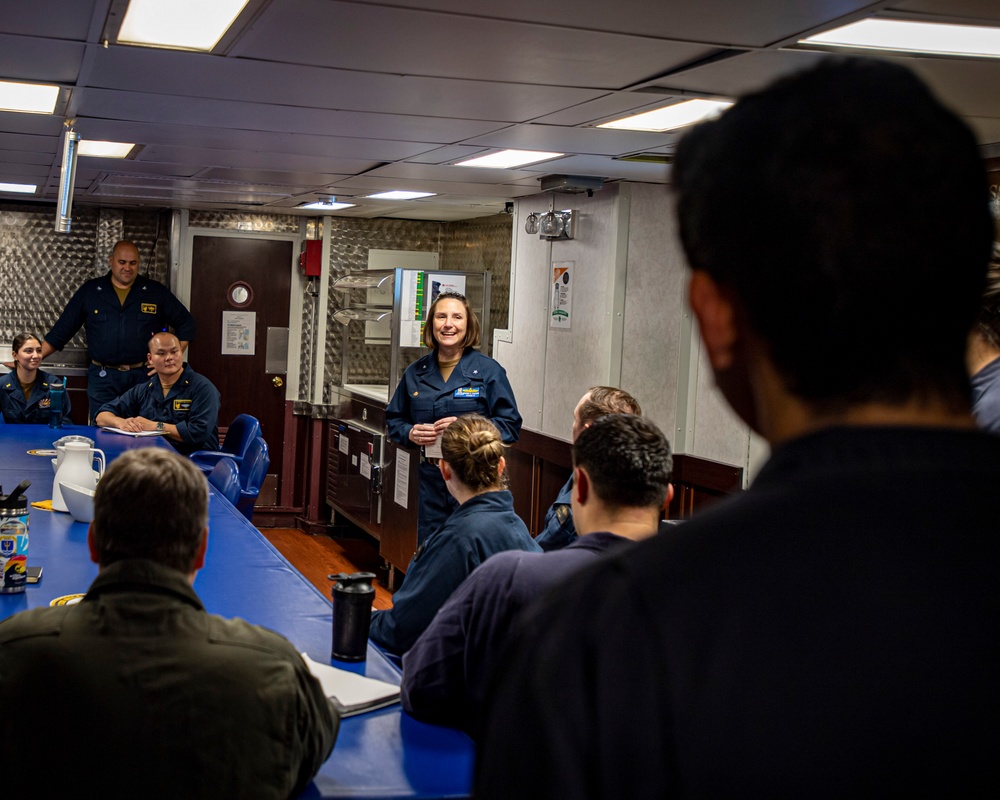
[{"x": 138, "y": 692}]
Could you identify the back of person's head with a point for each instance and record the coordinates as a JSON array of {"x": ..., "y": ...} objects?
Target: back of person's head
[
  {"x": 988, "y": 320},
  {"x": 153, "y": 504},
  {"x": 845, "y": 210},
  {"x": 628, "y": 460},
  {"x": 603, "y": 400},
  {"x": 473, "y": 447}
]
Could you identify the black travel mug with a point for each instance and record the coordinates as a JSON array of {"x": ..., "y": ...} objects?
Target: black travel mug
[{"x": 352, "y": 613}]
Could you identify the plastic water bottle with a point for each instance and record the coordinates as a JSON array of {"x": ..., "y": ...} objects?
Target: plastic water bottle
[{"x": 57, "y": 402}]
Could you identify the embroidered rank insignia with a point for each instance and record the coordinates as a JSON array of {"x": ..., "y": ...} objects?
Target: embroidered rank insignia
[
  {"x": 182, "y": 405},
  {"x": 467, "y": 393},
  {"x": 148, "y": 308}
]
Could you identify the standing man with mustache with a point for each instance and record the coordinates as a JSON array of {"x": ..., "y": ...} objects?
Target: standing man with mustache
[{"x": 120, "y": 311}]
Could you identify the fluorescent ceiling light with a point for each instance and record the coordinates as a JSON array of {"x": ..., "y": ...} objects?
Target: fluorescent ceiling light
[
  {"x": 508, "y": 159},
  {"x": 20, "y": 188},
  {"x": 184, "y": 24},
  {"x": 679, "y": 115},
  {"x": 399, "y": 195},
  {"x": 104, "y": 149},
  {"x": 327, "y": 206},
  {"x": 31, "y": 98},
  {"x": 913, "y": 37}
]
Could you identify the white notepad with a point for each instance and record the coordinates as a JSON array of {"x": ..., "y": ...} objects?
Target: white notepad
[{"x": 352, "y": 693}]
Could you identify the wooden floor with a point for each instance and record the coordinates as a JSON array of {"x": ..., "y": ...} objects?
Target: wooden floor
[{"x": 319, "y": 556}]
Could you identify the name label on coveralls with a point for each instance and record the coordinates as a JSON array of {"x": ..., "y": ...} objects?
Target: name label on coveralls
[
  {"x": 148, "y": 308},
  {"x": 182, "y": 405},
  {"x": 467, "y": 393}
]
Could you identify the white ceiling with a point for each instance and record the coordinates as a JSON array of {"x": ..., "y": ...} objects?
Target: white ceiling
[{"x": 309, "y": 98}]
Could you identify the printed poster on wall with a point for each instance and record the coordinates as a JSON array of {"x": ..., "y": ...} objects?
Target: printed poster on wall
[
  {"x": 239, "y": 333},
  {"x": 561, "y": 312}
]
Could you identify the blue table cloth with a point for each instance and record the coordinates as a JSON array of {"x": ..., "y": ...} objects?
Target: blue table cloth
[{"x": 381, "y": 754}]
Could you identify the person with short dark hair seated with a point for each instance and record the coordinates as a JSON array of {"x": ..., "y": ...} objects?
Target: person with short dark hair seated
[
  {"x": 558, "y": 529},
  {"x": 160, "y": 698},
  {"x": 25, "y": 395},
  {"x": 176, "y": 401},
  {"x": 621, "y": 483}
]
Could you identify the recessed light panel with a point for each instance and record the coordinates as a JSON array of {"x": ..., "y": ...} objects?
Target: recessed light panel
[
  {"x": 679, "y": 115},
  {"x": 327, "y": 206},
  {"x": 399, "y": 195},
  {"x": 913, "y": 37},
  {"x": 180, "y": 24},
  {"x": 20, "y": 188},
  {"x": 508, "y": 159},
  {"x": 30, "y": 98},
  {"x": 99, "y": 149}
]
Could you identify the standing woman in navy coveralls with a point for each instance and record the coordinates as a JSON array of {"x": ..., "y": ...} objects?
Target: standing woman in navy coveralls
[
  {"x": 454, "y": 380},
  {"x": 24, "y": 391}
]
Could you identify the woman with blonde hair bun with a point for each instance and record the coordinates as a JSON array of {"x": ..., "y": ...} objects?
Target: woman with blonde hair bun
[{"x": 472, "y": 467}]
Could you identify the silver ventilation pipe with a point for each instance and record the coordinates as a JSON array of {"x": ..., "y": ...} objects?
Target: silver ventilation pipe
[{"x": 67, "y": 180}]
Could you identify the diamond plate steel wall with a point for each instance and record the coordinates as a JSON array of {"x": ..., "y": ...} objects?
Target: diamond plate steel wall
[
  {"x": 481, "y": 245},
  {"x": 40, "y": 269}
]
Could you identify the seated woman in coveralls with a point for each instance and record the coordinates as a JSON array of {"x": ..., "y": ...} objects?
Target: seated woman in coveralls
[
  {"x": 24, "y": 391},
  {"x": 435, "y": 390},
  {"x": 471, "y": 467}
]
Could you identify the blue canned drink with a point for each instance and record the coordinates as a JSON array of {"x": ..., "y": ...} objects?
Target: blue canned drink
[{"x": 14, "y": 540}]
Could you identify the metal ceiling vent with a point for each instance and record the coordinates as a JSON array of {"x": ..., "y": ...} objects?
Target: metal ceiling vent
[{"x": 571, "y": 184}]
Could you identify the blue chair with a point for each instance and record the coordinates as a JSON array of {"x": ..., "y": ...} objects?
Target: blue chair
[
  {"x": 240, "y": 433},
  {"x": 252, "y": 472},
  {"x": 225, "y": 476}
]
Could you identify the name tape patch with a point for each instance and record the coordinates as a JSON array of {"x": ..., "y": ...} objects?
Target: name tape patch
[
  {"x": 467, "y": 393},
  {"x": 182, "y": 405},
  {"x": 148, "y": 308}
]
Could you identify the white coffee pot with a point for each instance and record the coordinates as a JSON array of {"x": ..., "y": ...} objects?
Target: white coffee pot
[{"x": 77, "y": 467}]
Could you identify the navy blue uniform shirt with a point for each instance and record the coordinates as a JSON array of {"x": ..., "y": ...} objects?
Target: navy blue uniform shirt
[
  {"x": 447, "y": 672},
  {"x": 480, "y": 527},
  {"x": 34, "y": 410},
  {"x": 477, "y": 385},
  {"x": 558, "y": 529},
  {"x": 116, "y": 333},
  {"x": 192, "y": 404}
]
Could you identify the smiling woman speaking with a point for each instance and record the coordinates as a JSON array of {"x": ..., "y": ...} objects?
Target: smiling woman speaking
[{"x": 454, "y": 380}]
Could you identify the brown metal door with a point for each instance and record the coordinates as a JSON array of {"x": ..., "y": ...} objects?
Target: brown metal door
[{"x": 218, "y": 264}]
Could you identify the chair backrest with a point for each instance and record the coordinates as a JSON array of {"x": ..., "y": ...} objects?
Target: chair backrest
[
  {"x": 254, "y": 468},
  {"x": 225, "y": 477},
  {"x": 255, "y": 464},
  {"x": 240, "y": 433}
]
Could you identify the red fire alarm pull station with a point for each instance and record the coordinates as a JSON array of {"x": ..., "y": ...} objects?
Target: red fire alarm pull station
[{"x": 310, "y": 259}]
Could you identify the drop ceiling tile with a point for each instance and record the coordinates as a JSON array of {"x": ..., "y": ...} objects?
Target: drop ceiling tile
[
  {"x": 402, "y": 41},
  {"x": 261, "y": 117},
  {"x": 754, "y": 24},
  {"x": 549, "y": 138},
  {"x": 165, "y": 72}
]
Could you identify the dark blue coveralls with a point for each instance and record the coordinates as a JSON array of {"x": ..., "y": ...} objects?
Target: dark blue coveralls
[
  {"x": 477, "y": 385},
  {"x": 36, "y": 410},
  {"x": 118, "y": 335}
]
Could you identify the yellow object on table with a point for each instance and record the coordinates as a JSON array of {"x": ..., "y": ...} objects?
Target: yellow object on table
[{"x": 43, "y": 504}]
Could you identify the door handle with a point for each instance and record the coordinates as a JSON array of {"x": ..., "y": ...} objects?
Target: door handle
[{"x": 278, "y": 383}]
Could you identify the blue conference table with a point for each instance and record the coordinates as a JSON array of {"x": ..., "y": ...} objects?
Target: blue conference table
[{"x": 381, "y": 754}]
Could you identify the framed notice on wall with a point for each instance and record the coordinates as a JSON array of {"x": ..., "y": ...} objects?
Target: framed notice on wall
[
  {"x": 239, "y": 333},
  {"x": 561, "y": 291}
]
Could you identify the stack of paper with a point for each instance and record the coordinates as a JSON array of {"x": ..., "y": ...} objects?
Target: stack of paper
[{"x": 352, "y": 693}]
